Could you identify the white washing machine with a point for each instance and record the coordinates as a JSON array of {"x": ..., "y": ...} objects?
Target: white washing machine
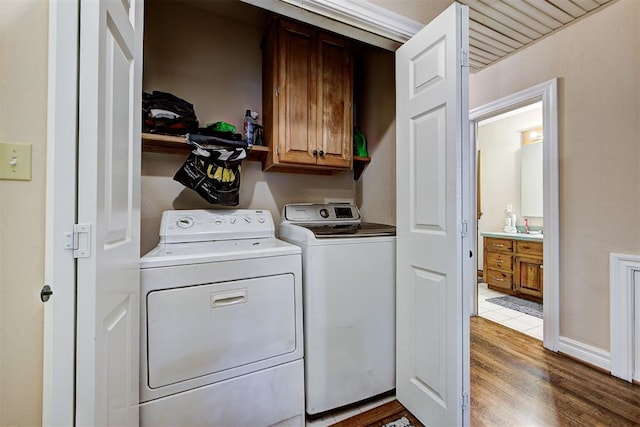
[
  {"x": 221, "y": 323},
  {"x": 348, "y": 269}
]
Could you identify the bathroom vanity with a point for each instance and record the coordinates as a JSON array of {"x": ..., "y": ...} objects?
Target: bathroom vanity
[{"x": 513, "y": 264}]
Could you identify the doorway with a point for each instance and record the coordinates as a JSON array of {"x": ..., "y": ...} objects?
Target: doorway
[
  {"x": 546, "y": 95},
  {"x": 510, "y": 219}
]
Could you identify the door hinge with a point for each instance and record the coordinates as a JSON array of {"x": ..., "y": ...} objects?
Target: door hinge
[
  {"x": 464, "y": 228},
  {"x": 464, "y": 58},
  {"x": 464, "y": 401},
  {"x": 79, "y": 240},
  {"x": 277, "y": 90}
]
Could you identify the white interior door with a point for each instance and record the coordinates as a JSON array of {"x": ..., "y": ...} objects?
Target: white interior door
[
  {"x": 432, "y": 125},
  {"x": 108, "y": 278}
]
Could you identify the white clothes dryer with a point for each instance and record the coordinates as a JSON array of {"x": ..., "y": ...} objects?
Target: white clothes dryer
[
  {"x": 221, "y": 323},
  {"x": 348, "y": 281}
]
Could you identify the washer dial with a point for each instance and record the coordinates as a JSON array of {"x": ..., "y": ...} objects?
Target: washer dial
[{"x": 185, "y": 222}]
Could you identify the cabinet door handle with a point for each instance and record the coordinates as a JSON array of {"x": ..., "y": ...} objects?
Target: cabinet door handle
[
  {"x": 498, "y": 279},
  {"x": 315, "y": 152},
  {"x": 499, "y": 261},
  {"x": 321, "y": 153},
  {"x": 498, "y": 246}
]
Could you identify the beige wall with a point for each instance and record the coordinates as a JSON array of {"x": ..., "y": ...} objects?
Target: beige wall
[
  {"x": 375, "y": 85},
  {"x": 23, "y": 95},
  {"x": 597, "y": 62},
  {"x": 419, "y": 10},
  {"x": 215, "y": 63}
]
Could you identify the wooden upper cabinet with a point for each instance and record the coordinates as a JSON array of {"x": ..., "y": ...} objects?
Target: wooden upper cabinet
[
  {"x": 335, "y": 95},
  {"x": 307, "y": 98},
  {"x": 296, "y": 94}
]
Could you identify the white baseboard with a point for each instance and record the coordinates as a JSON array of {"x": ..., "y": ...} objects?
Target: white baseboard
[{"x": 585, "y": 353}]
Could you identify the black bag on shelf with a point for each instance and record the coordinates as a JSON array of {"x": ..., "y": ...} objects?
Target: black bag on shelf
[{"x": 213, "y": 172}]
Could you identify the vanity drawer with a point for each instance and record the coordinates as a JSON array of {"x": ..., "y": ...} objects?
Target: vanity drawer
[
  {"x": 499, "y": 261},
  {"x": 498, "y": 245},
  {"x": 529, "y": 248},
  {"x": 499, "y": 279}
]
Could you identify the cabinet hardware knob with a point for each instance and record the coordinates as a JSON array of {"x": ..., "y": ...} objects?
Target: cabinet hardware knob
[
  {"x": 315, "y": 152},
  {"x": 321, "y": 153}
]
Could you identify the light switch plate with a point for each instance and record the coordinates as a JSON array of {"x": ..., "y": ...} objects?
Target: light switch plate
[{"x": 15, "y": 161}]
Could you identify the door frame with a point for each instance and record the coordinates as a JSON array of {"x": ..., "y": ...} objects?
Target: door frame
[
  {"x": 58, "y": 391},
  {"x": 547, "y": 93}
]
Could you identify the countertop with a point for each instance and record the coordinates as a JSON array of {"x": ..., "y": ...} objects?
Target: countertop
[{"x": 517, "y": 236}]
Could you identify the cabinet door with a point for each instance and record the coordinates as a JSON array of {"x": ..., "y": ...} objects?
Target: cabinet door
[
  {"x": 297, "y": 94},
  {"x": 529, "y": 276},
  {"x": 335, "y": 117}
]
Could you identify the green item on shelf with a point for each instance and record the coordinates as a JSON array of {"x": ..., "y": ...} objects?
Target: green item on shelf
[
  {"x": 359, "y": 143},
  {"x": 222, "y": 127}
]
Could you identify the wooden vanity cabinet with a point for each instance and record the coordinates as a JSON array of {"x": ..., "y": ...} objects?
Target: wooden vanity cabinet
[
  {"x": 528, "y": 268},
  {"x": 307, "y": 98},
  {"x": 498, "y": 263},
  {"x": 514, "y": 266}
]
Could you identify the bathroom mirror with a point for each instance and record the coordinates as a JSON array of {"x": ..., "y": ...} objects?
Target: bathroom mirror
[{"x": 531, "y": 173}]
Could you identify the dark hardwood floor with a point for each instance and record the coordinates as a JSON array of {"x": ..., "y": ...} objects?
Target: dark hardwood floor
[{"x": 516, "y": 382}]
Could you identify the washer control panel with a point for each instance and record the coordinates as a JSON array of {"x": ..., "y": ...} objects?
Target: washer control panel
[
  {"x": 321, "y": 213},
  {"x": 200, "y": 225}
]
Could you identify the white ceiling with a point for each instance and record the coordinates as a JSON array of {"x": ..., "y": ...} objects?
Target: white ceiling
[{"x": 498, "y": 28}]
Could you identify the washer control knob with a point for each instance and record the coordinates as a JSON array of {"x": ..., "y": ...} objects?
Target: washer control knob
[
  {"x": 185, "y": 222},
  {"x": 232, "y": 220},
  {"x": 261, "y": 220},
  {"x": 324, "y": 213},
  {"x": 247, "y": 219}
]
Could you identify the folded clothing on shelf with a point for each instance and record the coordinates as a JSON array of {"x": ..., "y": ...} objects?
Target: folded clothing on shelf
[{"x": 165, "y": 113}]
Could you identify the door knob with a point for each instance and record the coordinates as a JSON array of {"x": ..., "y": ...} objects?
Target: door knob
[{"x": 46, "y": 293}]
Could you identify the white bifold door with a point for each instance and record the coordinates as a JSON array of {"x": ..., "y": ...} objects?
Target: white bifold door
[
  {"x": 432, "y": 374},
  {"x": 108, "y": 276}
]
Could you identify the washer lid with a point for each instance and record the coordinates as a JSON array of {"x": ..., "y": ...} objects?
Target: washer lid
[
  {"x": 363, "y": 229},
  {"x": 169, "y": 254}
]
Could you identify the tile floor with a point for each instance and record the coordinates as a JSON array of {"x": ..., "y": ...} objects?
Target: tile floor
[
  {"x": 343, "y": 414},
  {"x": 513, "y": 319}
]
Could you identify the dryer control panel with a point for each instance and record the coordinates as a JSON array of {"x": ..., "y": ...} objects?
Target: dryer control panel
[{"x": 202, "y": 225}]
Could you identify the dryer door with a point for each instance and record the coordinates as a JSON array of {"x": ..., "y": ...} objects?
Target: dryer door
[{"x": 206, "y": 329}]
